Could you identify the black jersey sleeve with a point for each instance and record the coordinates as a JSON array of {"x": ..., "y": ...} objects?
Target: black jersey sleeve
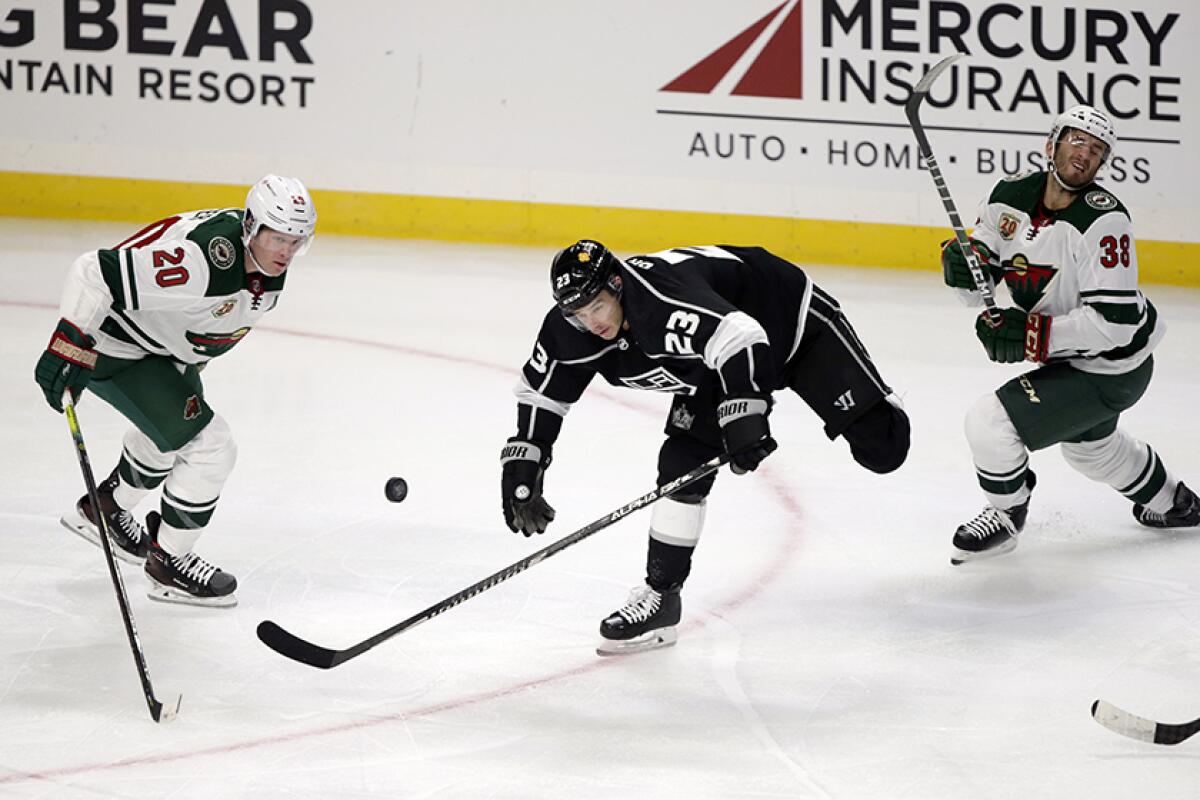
[{"x": 555, "y": 376}]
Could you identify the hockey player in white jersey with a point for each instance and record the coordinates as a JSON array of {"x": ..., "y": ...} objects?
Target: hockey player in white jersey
[
  {"x": 138, "y": 323},
  {"x": 1064, "y": 247}
]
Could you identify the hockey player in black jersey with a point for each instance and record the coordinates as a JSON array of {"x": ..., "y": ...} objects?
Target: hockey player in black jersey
[{"x": 720, "y": 328}]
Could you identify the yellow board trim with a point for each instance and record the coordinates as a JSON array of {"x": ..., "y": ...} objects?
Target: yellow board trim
[{"x": 547, "y": 225}]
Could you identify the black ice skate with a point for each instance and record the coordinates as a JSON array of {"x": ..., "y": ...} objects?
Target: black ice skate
[
  {"x": 1185, "y": 513},
  {"x": 124, "y": 531},
  {"x": 993, "y": 532},
  {"x": 185, "y": 579},
  {"x": 646, "y": 621}
]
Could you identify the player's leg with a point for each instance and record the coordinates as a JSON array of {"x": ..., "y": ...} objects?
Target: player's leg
[
  {"x": 141, "y": 468},
  {"x": 184, "y": 446},
  {"x": 648, "y": 618},
  {"x": 1109, "y": 455},
  {"x": 833, "y": 373},
  {"x": 879, "y": 439},
  {"x": 1002, "y": 468},
  {"x": 1050, "y": 405},
  {"x": 1134, "y": 469},
  {"x": 189, "y": 499}
]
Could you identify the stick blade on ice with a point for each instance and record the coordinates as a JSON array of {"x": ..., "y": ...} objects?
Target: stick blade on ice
[
  {"x": 164, "y": 713},
  {"x": 1123, "y": 722},
  {"x": 1140, "y": 728},
  {"x": 295, "y": 648}
]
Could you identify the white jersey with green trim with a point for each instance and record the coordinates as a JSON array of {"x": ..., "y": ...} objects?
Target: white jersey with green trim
[
  {"x": 1077, "y": 265},
  {"x": 177, "y": 288}
]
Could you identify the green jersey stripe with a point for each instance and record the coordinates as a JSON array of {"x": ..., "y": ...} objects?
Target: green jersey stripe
[
  {"x": 1118, "y": 313},
  {"x": 1110, "y": 293},
  {"x": 148, "y": 342},
  {"x": 131, "y": 289},
  {"x": 114, "y": 329},
  {"x": 1140, "y": 339},
  {"x": 110, "y": 270}
]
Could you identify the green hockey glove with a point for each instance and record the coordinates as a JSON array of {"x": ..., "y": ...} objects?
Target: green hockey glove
[
  {"x": 66, "y": 365},
  {"x": 955, "y": 271},
  {"x": 1018, "y": 337}
]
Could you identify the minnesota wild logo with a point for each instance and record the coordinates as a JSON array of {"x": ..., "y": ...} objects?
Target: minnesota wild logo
[
  {"x": 1027, "y": 282},
  {"x": 214, "y": 344}
]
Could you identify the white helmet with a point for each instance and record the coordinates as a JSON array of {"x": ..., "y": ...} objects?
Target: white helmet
[
  {"x": 282, "y": 204},
  {"x": 1089, "y": 120}
]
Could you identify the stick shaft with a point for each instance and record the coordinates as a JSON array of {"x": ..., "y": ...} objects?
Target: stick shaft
[
  {"x": 912, "y": 109},
  {"x": 89, "y": 480}
]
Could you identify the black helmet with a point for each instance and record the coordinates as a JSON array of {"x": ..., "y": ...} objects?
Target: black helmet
[{"x": 579, "y": 272}]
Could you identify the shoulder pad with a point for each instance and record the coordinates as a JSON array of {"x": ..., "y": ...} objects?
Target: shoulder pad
[
  {"x": 1096, "y": 202},
  {"x": 1019, "y": 191},
  {"x": 1020, "y": 176},
  {"x": 219, "y": 237}
]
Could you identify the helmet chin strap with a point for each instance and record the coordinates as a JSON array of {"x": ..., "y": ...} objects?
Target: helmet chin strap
[
  {"x": 1064, "y": 184},
  {"x": 258, "y": 267}
]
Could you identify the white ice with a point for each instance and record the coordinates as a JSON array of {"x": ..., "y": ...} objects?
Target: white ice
[{"x": 829, "y": 650}]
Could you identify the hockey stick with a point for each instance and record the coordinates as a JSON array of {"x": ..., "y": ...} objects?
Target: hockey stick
[
  {"x": 158, "y": 712},
  {"x": 912, "y": 108},
  {"x": 1140, "y": 728},
  {"x": 297, "y": 649}
]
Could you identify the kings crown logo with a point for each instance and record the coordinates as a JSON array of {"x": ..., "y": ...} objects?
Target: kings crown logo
[{"x": 682, "y": 418}]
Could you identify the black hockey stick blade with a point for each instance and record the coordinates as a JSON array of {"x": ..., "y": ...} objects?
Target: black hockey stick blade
[
  {"x": 295, "y": 648},
  {"x": 1144, "y": 730}
]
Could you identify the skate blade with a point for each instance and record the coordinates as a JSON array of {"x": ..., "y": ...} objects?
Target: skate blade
[
  {"x": 663, "y": 637},
  {"x": 962, "y": 556},
  {"x": 77, "y": 524},
  {"x": 169, "y": 594}
]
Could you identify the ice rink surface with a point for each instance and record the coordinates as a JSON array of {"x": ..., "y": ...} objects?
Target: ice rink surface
[{"x": 828, "y": 649}]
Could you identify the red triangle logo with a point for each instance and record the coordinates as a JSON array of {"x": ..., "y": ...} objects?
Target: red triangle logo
[{"x": 776, "y": 72}]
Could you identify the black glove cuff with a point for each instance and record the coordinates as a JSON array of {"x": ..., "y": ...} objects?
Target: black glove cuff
[
  {"x": 518, "y": 450},
  {"x": 735, "y": 408}
]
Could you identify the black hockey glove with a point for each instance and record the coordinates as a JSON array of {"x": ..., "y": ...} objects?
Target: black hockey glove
[
  {"x": 67, "y": 364},
  {"x": 523, "y": 465},
  {"x": 745, "y": 431},
  {"x": 955, "y": 271}
]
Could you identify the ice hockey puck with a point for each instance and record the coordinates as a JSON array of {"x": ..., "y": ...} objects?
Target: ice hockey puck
[{"x": 396, "y": 489}]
